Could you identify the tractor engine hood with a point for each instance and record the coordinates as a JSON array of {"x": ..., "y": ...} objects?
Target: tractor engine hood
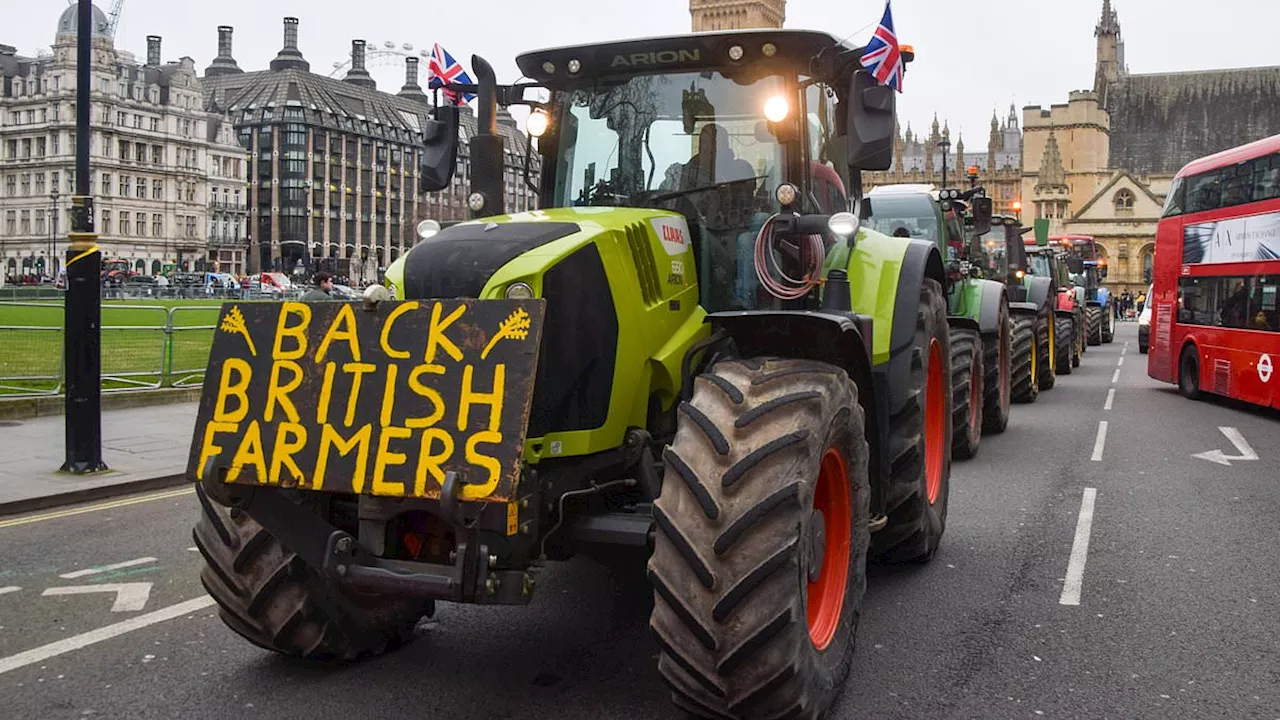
[{"x": 459, "y": 260}]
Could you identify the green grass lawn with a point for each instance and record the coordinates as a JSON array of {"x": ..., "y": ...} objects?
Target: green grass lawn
[{"x": 135, "y": 347}]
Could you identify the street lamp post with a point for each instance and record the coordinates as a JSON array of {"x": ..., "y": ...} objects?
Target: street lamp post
[
  {"x": 82, "y": 314},
  {"x": 53, "y": 228},
  {"x": 944, "y": 145}
]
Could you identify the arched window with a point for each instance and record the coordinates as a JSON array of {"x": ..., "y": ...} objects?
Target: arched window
[
  {"x": 155, "y": 267},
  {"x": 1123, "y": 200},
  {"x": 140, "y": 266},
  {"x": 1148, "y": 256}
]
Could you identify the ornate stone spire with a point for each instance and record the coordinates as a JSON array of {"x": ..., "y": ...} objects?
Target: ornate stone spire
[{"x": 1052, "y": 173}]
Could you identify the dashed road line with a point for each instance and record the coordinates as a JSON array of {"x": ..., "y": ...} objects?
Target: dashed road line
[
  {"x": 1100, "y": 442},
  {"x": 1115, "y": 377},
  {"x": 9, "y": 589},
  {"x": 1111, "y": 396},
  {"x": 94, "y": 508},
  {"x": 107, "y": 568},
  {"x": 76, "y": 642},
  {"x": 1120, "y": 361},
  {"x": 1079, "y": 550}
]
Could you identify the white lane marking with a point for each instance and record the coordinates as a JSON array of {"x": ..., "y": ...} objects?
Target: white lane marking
[
  {"x": 1221, "y": 458},
  {"x": 76, "y": 642},
  {"x": 1079, "y": 551},
  {"x": 130, "y": 597},
  {"x": 1111, "y": 396},
  {"x": 105, "y": 568},
  {"x": 1115, "y": 377},
  {"x": 1100, "y": 442},
  {"x": 9, "y": 589},
  {"x": 1120, "y": 361}
]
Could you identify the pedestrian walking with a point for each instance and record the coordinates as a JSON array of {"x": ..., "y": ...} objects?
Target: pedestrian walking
[{"x": 322, "y": 288}]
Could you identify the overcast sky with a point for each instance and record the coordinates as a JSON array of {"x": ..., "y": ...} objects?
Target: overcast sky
[{"x": 973, "y": 56}]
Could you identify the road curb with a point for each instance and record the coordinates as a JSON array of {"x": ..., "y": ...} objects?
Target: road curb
[
  {"x": 45, "y": 502},
  {"x": 26, "y": 408}
]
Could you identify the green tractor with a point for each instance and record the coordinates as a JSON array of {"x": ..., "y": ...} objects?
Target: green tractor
[
  {"x": 1031, "y": 302},
  {"x": 691, "y": 353},
  {"x": 977, "y": 305},
  {"x": 1066, "y": 332}
]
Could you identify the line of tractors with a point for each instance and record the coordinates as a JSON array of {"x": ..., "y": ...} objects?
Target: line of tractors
[{"x": 749, "y": 379}]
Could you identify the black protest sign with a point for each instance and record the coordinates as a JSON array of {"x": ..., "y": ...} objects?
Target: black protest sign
[{"x": 334, "y": 397}]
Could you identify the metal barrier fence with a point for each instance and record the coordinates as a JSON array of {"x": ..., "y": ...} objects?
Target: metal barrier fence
[{"x": 143, "y": 346}]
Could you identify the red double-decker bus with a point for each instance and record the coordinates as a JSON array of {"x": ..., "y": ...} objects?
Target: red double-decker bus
[{"x": 1216, "y": 276}]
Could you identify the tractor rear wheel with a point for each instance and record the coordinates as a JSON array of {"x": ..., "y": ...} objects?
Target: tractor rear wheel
[
  {"x": 1046, "y": 341},
  {"x": 920, "y": 443},
  {"x": 267, "y": 594},
  {"x": 967, "y": 378},
  {"x": 1093, "y": 324},
  {"x": 1108, "y": 325},
  {"x": 997, "y": 387},
  {"x": 759, "y": 560},
  {"x": 1025, "y": 365},
  {"x": 1065, "y": 333}
]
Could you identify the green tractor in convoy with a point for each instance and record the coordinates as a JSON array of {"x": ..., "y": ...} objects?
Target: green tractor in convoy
[
  {"x": 977, "y": 305},
  {"x": 1066, "y": 342},
  {"x": 1031, "y": 303},
  {"x": 692, "y": 352}
]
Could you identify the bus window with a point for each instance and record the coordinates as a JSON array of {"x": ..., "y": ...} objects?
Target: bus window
[
  {"x": 1173, "y": 201},
  {"x": 1204, "y": 192},
  {"x": 1266, "y": 178}
]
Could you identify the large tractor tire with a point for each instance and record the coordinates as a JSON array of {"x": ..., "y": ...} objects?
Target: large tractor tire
[
  {"x": 1064, "y": 332},
  {"x": 267, "y": 594},
  {"x": 1093, "y": 324},
  {"x": 997, "y": 387},
  {"x": 920, "y": 443},
  {"x": 759, "y": 562},
  {"x": 1025, "y": 363},
  {"x": 1108, "y": 325},
  {"x": 1082, "y": 328},
  {"x": 1046, "y": 342},
  {"x": 967, "y": 378}
]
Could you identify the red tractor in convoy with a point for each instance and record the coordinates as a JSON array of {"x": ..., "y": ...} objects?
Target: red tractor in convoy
[{"x": 115, "y": 272}]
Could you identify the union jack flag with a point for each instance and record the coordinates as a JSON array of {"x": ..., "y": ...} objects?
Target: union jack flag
[
  {"x": 882, "y": 56},
  {"x": 442, "y": 69}
]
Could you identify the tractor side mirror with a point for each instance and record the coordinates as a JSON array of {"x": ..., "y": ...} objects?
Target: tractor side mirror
[
  {"x": 981, "y": 212},
  {"x": 869, "y": 123},
  {"x": 439, "y": 154},
  {"x": 864, "y": 208}
]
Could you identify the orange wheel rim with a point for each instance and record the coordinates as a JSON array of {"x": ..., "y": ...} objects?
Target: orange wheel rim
[
  {"x": 825, "y": 599},
  {"x": 935, "y": 423}
]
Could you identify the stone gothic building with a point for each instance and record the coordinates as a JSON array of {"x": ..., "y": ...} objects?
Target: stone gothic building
[
  {"x": 920, "y": 159},
  {"x": 737, "y": 14},
  {"x": 1101, "y": 163}
]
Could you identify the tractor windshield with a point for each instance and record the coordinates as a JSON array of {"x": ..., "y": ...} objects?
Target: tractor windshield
[
  {"x": 650, "y": 140},
  {"x": 911, "y": 215},
  {"x": 1040, "y": 265},
  {"x": 995, "y": 253}
]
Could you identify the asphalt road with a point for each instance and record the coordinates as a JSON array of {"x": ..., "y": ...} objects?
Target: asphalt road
[{"x": 1177, "y": 614}]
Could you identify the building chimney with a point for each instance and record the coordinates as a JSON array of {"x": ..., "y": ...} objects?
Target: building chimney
[
  {"x": 153, "y": 50},
  {"x": 412, "y": 90},
  {"x": 358, "y": 75},
  {"x": 289, "y": 55},
  {"x": 224, "y": 63}
]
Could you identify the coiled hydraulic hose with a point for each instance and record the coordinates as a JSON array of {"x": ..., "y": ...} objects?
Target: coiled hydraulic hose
[{"x": 785, "y": 287}]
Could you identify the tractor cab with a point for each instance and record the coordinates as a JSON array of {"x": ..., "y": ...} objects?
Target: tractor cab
[
  {"x": 1004, "y": 256},
  {"x": 954, "y": 220}
]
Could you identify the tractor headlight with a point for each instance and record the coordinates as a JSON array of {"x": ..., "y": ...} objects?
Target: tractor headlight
[
  {"x": 844, "y": 224},
  {"x": 475, "y": 201},
  {"x": 537, "y": 123},
  {"x": 786, "y": 194},
  {"x": 1019, "y": 274},
  {"x": 776, "y": 109},
  {"x": 519, "y": 291},
  {"x": 428, "y": 228}
]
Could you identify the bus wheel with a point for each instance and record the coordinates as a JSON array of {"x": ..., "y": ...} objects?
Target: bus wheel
[{"x": 1189, "y": 374}]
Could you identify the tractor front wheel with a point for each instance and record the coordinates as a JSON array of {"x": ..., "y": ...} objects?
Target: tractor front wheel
[
  {"x": 997, "y": 348},
  {"x": 759, "y": 561},
  {"x": 1026, "y": 358},
  {"x": 1065, "y": 333},
  {"x": 1093, "y": 324},
  {"x": 967, "y": 379},
  {"x": 920, "y": 443},
  {"x": 267, "y": 594},
  {"x": 1108, "y": 325}
]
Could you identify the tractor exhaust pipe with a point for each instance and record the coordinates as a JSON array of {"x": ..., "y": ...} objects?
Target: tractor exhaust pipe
[{"x": 486, "y": 146}]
